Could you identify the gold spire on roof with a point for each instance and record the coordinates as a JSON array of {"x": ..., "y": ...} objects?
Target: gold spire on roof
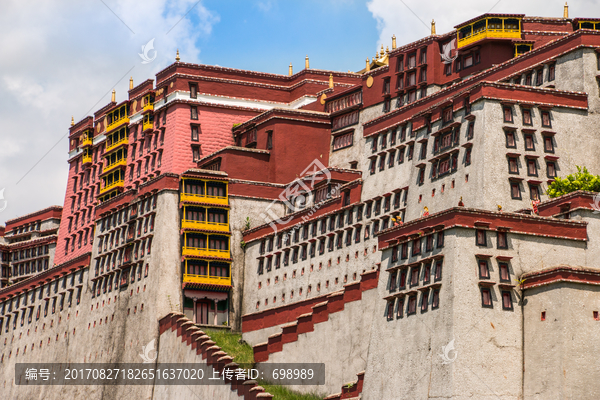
[
  {"x": 306, "y": 64},
  {"x": 387, "y": 50},
  {"x": 433, "y": 27},
  {"x": 394, "y": 42},
  {"x": 114, "y": 96},
  {"x": 131, "y": 83},
  {"x": 72, "y": 121},
  {"x": 368, "y": 65},
  {"x": 177, "y": 56},
  {"x": 381, "y": 53},
  {"x": 291, "y": 70},
  {"x": 566, "y": 11},
  {"x": 331, "y": 81}
]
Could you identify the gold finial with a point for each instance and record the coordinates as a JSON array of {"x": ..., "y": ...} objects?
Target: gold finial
[
  {"x": 72, "y": 121},
  {"x": 381, "y": 52},
  {"x": 114, "y": 96},
  {"x": 566, "y": 12},
  {"x": 433, "y": 27},
  {"x": 387, "y": 50},
  {"x": 131, "y": 83},
  {"x": 368, "y": 65},
  {"x": 376, "y": 55},
  {"x": 331, "y": 81},
  {"x": 306, "y": 65},
  {"x": 394, "y": 42},
  {"x": 291, "y": 70},
  {"x": 177, "y": 56}
]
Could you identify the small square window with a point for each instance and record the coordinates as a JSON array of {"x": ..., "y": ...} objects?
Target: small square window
[
  {"x": 506, "y": 300},
  {"x": 504, "y": 272},
  {"x": 486, "y": 298},
  {"x": 481, "y": 237},
  {"x": 484, "y": 270},
  {"x": 502, "y": 242}
]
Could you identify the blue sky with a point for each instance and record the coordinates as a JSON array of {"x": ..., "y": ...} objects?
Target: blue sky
[
  {"x": 267, "y": 36},
  {"x": 62, "y": 58}
]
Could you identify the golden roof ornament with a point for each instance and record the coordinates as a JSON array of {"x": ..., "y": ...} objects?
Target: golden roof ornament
[
  {"x": 306, "y": 64},
  {"x": 394, "y": 42},
  {"x": 113, "y": 96},
  {"x": 566, "y": 11},
  {"x": 331, "y": 81},
  {"x": 368, "y": 68},
  {"x": 381, "y": 52},
  {"x": 291, "y": 70},
  {"x": 131, "y": 83},
  {"x": 387, "y": 50},
  {"x": 72, "y": 121},
  {"x": 177, "y": 56},
  {"x": 433, "y": 27}
]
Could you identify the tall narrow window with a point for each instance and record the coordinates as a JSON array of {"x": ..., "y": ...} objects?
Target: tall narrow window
[
  {"x": 551, "y": 169},
  {"x": 481, "y": 237},
  {"x": 502, "y": 243},
  {"x": 546, "y": 122},
  {"x": 506, "y": 300},
  {"x": 194, "y": 112},
  {"x": 510, "y": 139},
  {"x": 269, "y": 140},
  {"x": 513, "y": 165},
  {"x": 534, "y": 192},
  {"x": 504, "y": 272},
  {"x": 548, "y": 144},
  {"x": 551, "y": 72},
  {"x": 527, "y": 116},
  {"x": 193, "y": 90},
  {"x": 515, "y": 191},
  {"x": 508, "y": 114},
  {"x": 484, "y": 271},
  {"x": 195, "y": 134},
  {"x": 486, "y": 298},
  {"x": 531, "y": 168}
]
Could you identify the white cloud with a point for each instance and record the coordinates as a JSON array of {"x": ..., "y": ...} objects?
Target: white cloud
[
  {"x": 410, "y": 20},
  {"x": 63, "y": 58}
]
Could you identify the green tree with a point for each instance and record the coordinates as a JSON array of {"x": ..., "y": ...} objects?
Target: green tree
[{"x": 582, "y": 180}]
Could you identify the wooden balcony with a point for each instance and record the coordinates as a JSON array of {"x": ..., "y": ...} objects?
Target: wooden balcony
[
  {"x": 116, "y": 144},
  {"x": 201, "y": 198},
  {"x": 209, "y": 226},
  {"x": 117, "y": 124},
  {"x": 112, "y": 186},
  {"x": 207, "y": 279},
  {"x": 204, "y": 252}
]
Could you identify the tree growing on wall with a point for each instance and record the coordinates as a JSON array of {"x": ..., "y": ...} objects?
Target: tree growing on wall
[{"x": 581, "y": 180}]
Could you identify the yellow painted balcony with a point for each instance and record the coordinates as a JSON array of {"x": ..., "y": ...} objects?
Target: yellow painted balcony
[
  {"x": 148, "y": 107},
  {"x": 147, "y": 126},
  {"x": 204, "y": 252},
  {"x": 116, "y": 144},
  {"x": 201, "y": 198},
  {"x": 116, "y": 124},
  {"x": 112, "y": 186},
  {"x": 86, "y": 159},
  {"x": 487, "y": 32},
  {"x": 207, "y": 279},
  {"x": 87, "y": 141},
  {"x": 120, "y": 163},
  {"x": 210, "y": 226}
]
